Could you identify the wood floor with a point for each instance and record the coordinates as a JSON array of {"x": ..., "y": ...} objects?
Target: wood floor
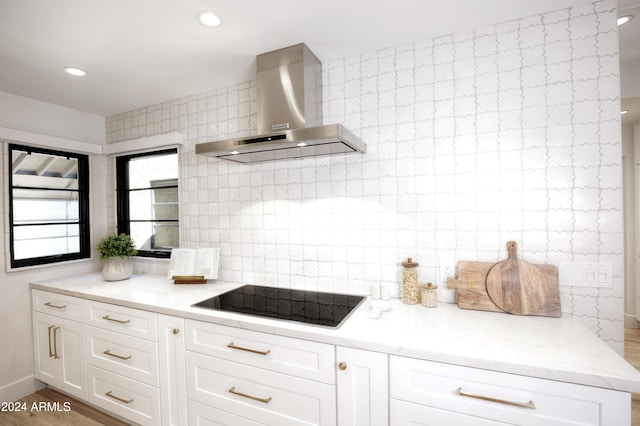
[
  {"x": 82, "y": 415},
  {"x": 74, "y": 413}
]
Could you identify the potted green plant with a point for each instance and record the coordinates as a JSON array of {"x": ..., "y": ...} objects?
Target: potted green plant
[{"x": 116, "y": 251}]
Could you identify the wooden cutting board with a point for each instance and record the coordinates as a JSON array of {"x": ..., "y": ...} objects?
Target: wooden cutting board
[
  {"x": 516, "y": 286},
  {"x": 472, "y": 290}
]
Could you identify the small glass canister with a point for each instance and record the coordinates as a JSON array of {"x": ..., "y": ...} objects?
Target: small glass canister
[
  {"x": 410, "y": 291},
  {"x": 429, "y": 295}
]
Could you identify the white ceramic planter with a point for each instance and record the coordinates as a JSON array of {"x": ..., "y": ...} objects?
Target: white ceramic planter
[{"x": 117, "y": 268}]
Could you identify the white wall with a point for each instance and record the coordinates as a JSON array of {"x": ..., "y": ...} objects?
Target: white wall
[
  {"x": 506, "y": 132},
  {"x": 38, "y": 118}
]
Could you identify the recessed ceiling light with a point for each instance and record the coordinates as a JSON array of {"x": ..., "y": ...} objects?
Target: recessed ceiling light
[
  {"x": 234, "y": 152},
  {"x": 208, "y": 19},
  {"x": 77, "y": 72},
  {"x": 624, "y": 111},
  {"x": 624, "y": 19},
  {"x": 301, "y": 144}
]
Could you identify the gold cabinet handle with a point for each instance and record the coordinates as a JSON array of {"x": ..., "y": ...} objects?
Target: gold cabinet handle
[
  {"x": 55, "y": 344},
  {"x": 175, "y": 331},
  {"x": 117, "y": 398},
  {"x": 529, "y": 404},
  {"x": 342, "y": 366},
  {"x": 255, "y": 398},
  {"x": 108, "y": 352},
  {"x": 51, "y": 305},
  {"x": 51, "y": 354},
  {"x": 108, "y": 318},
  {"x": 253, "y": 351}
]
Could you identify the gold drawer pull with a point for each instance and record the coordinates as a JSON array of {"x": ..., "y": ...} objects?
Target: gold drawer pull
[
  {"x": 253, "y": 351},
  {"x": 108, "y": 318},
  {"x": 255, "y": 398},
  {"x": 529, "y": 404},
  {"x": 51, "y": 353},
  {"x": 126, "y": 401},
  {"x": 342, "y": 366},
  {"x": 55, "y": 344},
  {"x": 108, "y": 352},
  {"x": 51, "y": 305}
]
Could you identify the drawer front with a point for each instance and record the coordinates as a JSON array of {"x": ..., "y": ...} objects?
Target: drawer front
[
  {"x": 133, "y": 322},
  {"x": 499, "y": 396},
  {"x": 302, "y": 358},
  {"x": 126, "y": 355},
  {"x": 204, "y": 415},
  {"x": 59, "y": 305},
  {"x": 258, "y": 394},
  {"x": 409, "y": 414},
  {"x": 132, "y": 400}
]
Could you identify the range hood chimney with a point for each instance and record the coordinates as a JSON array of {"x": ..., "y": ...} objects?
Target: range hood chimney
[{"x": 289, "y": 113}]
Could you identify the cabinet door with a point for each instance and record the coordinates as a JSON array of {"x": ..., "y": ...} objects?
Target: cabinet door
[
  {"x": 171, "y": 354},
  {"x": 73, "y": 363},
  {"x": 363, "y": 389},
  {"x": 59, "y": 354},
  {"x": 45, "y": 361}
]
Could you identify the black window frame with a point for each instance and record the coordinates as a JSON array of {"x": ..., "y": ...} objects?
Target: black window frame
[
  {"x": 122, "y": 198},
  {"x": 84, "y": 225}
]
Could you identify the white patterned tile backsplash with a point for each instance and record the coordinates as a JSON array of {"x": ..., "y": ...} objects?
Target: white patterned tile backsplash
[{"x": 509, "y": 131}]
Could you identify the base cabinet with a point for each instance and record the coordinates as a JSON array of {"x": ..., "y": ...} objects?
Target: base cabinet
[
  {"x": 155, "y": 369},
  {"x": 455, "y": 392},
  {"x": 362, "y": 387},
  {"x": 248, "y": 382},
  {"x": 60, "y": 359}
]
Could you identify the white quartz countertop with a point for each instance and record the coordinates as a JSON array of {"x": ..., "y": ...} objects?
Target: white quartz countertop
[{"x": 550, "y": 348}]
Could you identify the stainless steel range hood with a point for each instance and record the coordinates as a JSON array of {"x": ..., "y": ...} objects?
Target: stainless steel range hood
[{"x": 289, "y": 106}]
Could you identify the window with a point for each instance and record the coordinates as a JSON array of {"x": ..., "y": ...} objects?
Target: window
[
  {"x": 48, "y": 206},
  {"x": 147, "y": 198}
]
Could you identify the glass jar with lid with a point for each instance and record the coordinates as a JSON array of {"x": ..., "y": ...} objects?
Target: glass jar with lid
[{"x": 410, "y": 291}]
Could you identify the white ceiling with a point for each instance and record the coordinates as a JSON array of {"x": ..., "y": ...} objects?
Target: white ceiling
[{"x": 143, "y": 52}]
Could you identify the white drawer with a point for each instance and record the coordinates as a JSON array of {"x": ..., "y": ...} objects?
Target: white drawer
[
  {"x": 58, "y": 304},
  {"x": 409, "y": 414},
  {"x": 133, "y": 322},
  {"x": 126, "y": 355},
  {"x": 302, "y": 358},
  {"x": 498, "y": 396},
  {"x": 132, "y": 400},
  {"x": 204, "y": 415},
  {"x": 258, "y": 394}
]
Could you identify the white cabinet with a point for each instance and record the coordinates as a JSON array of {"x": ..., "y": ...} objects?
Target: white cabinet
[
  {"x": 302, "y": 358},
  {"x": 173, "y": 391},
  {"x": 155, "y": 369},
  {"x": 127, "y": 398},
  {"x": 132, "y": 322},
  {"x": 458, "y": 394},
  {"x": 122, "y": 353},
  {"x": 259, "y": 377},
  {"x": 59, "y": 353},
  {"x": 362, "y": 387}
]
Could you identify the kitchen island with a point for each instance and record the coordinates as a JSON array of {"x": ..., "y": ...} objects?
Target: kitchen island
[{"x": 499, "y": 347}]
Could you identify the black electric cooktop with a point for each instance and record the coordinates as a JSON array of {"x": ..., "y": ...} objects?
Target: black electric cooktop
[{"x": 311, "y": 307}]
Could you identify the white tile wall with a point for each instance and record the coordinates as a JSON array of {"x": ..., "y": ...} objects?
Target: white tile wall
[{"x": 506, "y": 132}]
